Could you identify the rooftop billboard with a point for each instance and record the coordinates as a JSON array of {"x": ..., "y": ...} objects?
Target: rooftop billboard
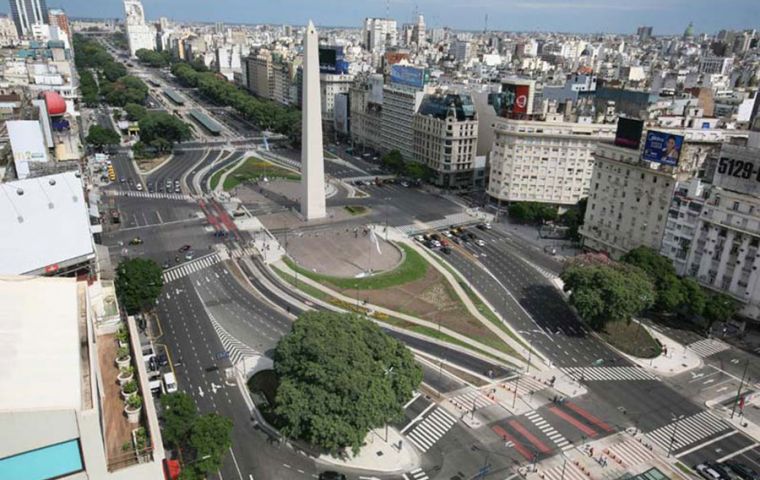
[
  {"x": 663, "y": 147},
  {"x": 331, "y": 60},
  {"x": 408, "y": 75},
  {"x": 629, "y": 132}
]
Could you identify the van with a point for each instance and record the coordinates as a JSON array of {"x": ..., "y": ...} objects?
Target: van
[{"x": 170, "y": 383}]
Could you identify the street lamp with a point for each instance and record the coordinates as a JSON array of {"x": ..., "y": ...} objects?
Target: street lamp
[{"x": 675, "y": 429}]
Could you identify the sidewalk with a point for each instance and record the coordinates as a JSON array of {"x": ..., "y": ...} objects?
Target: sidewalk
[
  {"x": 675, "y": 359},
  {"x": 378, "y": 455}
]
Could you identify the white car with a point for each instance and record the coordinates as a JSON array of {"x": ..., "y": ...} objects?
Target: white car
[
  {"x": 419, "y": 238},
  {"x": 139, "y": 187},
  {"x": 447, "y": 234},
  {"x": 480, "y": 243},
  {"x": 170, "y": 383},
  {"x": 707, "y": 472},
  {"x": 488, "y": 226}
]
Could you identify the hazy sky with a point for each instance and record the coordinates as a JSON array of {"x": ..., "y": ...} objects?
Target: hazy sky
[{"x": 666, "y": 16}]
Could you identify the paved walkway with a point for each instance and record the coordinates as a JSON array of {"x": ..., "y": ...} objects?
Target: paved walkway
[
  {"x": 379, "y": 455},
  {"x": 674, "y": 359}
]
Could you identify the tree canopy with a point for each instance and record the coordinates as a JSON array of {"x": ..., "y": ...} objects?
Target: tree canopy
[
  {"x": 340, "y": 377},
  {"x": 179, "y": 412},
  {"x": 99, "y": 136},
  {"x": 154, "y": 59},
  {"x": 532, "y": 212},
  {"x": 161, "y": 130},
  {"x": 393, "y": 161},
  {"x": 127, "y": 89},
  {"x": 210, "y": 438},
  {"x": 605, "y": 293},
  {"x": 134, "y": 112},
  {"x": 138, "y": 284},
  {"x": 719, "y": 307}
]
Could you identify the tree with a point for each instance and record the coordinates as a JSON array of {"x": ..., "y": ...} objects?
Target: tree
[
  {"x": 114, "y": 71},
  {"x": 100, "y": 137},
  {"x": 532, "y": 212},
  {"x": 417, "y": 171},
  {"x": 138, "y": 284},
  {"x": 210, "y": 438},
  {"x": 719, "y": 307},
  {"x": 604, "y": 293},
  {"x": 135, "y": 112},
  {"x": 340, "y": 376},
  {"x": 393, "y": 161},
  {"x": 694, "y": 299},
  {"x": 573, "y": 218},
  {"x": 153, "y": 58},
  {"x": 161, "y": 125},
  {"x": 179, "y": 413}
]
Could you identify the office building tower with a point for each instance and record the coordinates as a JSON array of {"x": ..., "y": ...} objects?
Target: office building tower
[
  {"x": 26, "y": 13},
  {"x": 139, "y": 35}
]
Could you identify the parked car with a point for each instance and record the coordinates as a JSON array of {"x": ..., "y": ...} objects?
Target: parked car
[
  {"x": 162, "y": 359},
  {"x": 742, "y": 471},
  {"x": 419, "y": 238},
  {"x": 139, "y": 187},
  {"x": 446, "y": 250},
  {"x": 331, "y": 475},
  {"x": 189, "y": 256},
  {"x": 706, "y": 471},
  {"x": 170, "y": 382}
]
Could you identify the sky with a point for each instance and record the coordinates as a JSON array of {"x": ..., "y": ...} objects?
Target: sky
[{"x": 582, "y": 16}]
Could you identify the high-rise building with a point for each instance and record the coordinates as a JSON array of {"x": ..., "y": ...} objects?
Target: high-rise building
[
  {"x": 332, "y": 85},
  {"x": 461, "y": 50},
  {"x": 139, "y": 34},
  {"x": 716, "y": 65},
  {"x": 379, "y": 34},
  {"x": 8, "y": 33},
  {"x": 26, "y": 13},
  {"x": 418, "y": 32},
  {"x": 542, "y": 161},
  {"x": 644, "y": 33},
  {"x": 445, "y": 131},
  {"x": 58, "y": 17},
  {"x": 400, "y": 103}
]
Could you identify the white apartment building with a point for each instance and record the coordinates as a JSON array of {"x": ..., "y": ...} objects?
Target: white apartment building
[
  {"x": 544, "y": 161},
  {"x": 627, "y": 203},
  {"x": 330, "y": 86},
  {"x": 716, "y": 65},
  {"x": 259, "y": 73},
  {"x": 365, "y": 104},
  {"x": 139, "y": 34},
  {"x": 400, "y": 103},
  {"x": 446, "y": 137},
  {"x": 8, "y": 33},
  {"x": 683, "y": 221},
  {"x": 379, "y": 34}
]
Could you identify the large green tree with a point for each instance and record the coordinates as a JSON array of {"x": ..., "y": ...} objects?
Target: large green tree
[
  {"x": 135, "y": 112},
  {"x": 99, "y": 137},
  {"x": 179, "y": 413},
  {"x": 605, "y": 293},
  {"x": 340, "y": 377},
  {"x": 161, "y": 130},
  {"x": 532, "y": 212},
  {"x": 210, "y": 439},
  {"x": 393, "y": 161},
  {"x": 719, "y": 307},
  {"x": 153, "y": 58},
  {"x": 138, "y": 284}
]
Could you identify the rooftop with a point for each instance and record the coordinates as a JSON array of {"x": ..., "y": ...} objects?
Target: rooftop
[
  {"x": 39, "y": 344},
  {"x": 45, "y": 223}
]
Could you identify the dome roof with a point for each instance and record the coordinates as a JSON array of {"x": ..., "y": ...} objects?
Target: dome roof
[{"x": 56, "y": 105}]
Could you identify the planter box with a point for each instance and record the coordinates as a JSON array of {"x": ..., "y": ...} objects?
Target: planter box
[
  {"x": 133, "y": 416},
  {"x": 122, "y": 380}
]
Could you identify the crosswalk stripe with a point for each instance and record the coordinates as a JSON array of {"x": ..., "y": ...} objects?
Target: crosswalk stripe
[
  {"x": 707, "y": 347},
  {"x": 602, "y": 374},
  {"x": 185, "y": 269},
  {"x": 434, "y": 426},
  {"x": 690, "y": 430}
]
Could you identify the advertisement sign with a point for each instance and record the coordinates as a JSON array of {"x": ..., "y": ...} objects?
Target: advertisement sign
[
  {"x": 331, "y": 60},
  {"x": 738, "y": 169},
  {"x": 408, "y": 75},
  {"x": 628, "y": 133},
  {"x": 520, "y": 95},
  {"x": 662, "y": 147}
]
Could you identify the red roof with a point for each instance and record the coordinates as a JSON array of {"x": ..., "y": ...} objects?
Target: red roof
[{"x": 56, "y": 105}]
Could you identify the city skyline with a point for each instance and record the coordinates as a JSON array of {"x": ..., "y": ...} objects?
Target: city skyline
[{"x": 668, "y": 17}]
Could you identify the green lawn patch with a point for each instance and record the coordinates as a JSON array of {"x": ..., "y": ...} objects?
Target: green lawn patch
[
  {"x": 356, "y": 209},
  {"x": 631, "y": 338},
  {"x": 304, "y": 287},
  {"x": 412, "y": 268},
  {"x": 216, "y": 177},
  {"x": 254, "y": 169}
]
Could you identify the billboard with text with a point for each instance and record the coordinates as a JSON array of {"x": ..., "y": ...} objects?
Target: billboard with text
[
  {"x": 663, "y": 147},
  {"x": 408, "y": 75}
]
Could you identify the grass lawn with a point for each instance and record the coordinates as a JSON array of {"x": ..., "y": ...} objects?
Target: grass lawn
[
  {"x": 216, "y": 177},
  {"x": 412, "y": 268},
  {"x": 631, "y": 338},
  {"x": 355, "y": 209},
  {"x": 255, "y": 168}
]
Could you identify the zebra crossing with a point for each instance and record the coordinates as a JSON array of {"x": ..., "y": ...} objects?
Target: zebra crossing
[
  {"x": 180, "y": 271},
  {"x": 447, "y": 221},
  {"x": 629, "y": 453},
  {"x": 708, "y": 346},
  {"x": 416, "y": 474},
  {"x": 557, "y": 438},
  {"x": 525, "y": 385},
  {"x": 426, "y": 433},
  {"x": 608, "y": 374},
  {"x": 136, "y": 194},
  {"x": 565, "y": 471},
  {"x": 236, "y": 349},
  {"x": 688, "y": 431},
  {"x": 470, "y": 399}
]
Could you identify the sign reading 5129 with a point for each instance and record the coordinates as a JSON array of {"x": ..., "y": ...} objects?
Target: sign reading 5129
[{"x": 738, "y": 168}]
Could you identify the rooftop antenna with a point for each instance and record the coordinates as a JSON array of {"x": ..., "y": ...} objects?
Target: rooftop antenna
[
  {"x": 387, "y": 9},
  {"x": 485, "y": 28}
]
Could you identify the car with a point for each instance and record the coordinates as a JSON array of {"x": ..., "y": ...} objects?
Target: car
[
  {"x": 706, "y": 471},
  {"x": 480, "y": 243},
  {"x": 488, "y": 226},
  {"x": 184, "y": 248},
  {"x": 152, "y": 364},
  {"x": 331, "y": 475},
  {"x": 742, "y": 471},
  {"x": 405, "y": 184},
  {"x": 435, "y": 236},
  {"x": 136, "y": 241},
  {"x": 480, "y": 226},
  {"x": 419, "y": 238},
  {"x": 446, "y": 250},
  {"x": 457, "y": 240},
  {"x": 122, "y": 180},
  {"x": 471, "y": 236},
  {"x": 162, "y": 359},
  {"x": 447, "y": 234},
  {"x": 189, "y": 256},
  {"x": 177, "y": 189},
  {"x": 166, "y": 265},
  {"x": 170, "y": 382},
  {"x": 139, "y": 187}
]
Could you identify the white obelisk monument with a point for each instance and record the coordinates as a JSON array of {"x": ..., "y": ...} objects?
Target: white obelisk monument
[{"x": 312, "y": 159}]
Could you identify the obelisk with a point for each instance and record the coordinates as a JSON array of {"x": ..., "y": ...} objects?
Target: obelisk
[{"x": 312, "y": 159}]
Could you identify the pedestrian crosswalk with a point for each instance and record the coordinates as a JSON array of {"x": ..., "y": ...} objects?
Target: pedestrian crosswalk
[
  {"x": 431, "y": 429},
  {"x": 455, "y": 219},
  {"x": 525, "y": 385},
  {"x": 236, "y": 350},
  {"x": 708, "y": 346},
  {"x": 136, "y": 194},
  {"x": 470, "y": 399},
  {"x": 242, "y": 252},
  {"x": 180, "y": 271},
  {"x": 628, "y": 453},
  {"x": 566, "y": 471},
  {"x": 416, "y": 474},
  {"x": 557, "y": 438},
  {"x": 687, "y": 431},
  {"x": 608, "y": 374}
]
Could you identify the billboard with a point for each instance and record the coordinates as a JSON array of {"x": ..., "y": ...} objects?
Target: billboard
[
  {"x": 331, "y": 60},
  {"x": 738, "y": 169},
  {"x": 628, "y": 133},
  {"x": 662, "y": 147},
  {"x": 521, "y": 97},
  {"x": 408, "y": 75}
]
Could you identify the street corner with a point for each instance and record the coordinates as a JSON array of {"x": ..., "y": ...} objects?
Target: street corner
[{"x": 385, "y": 451}]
